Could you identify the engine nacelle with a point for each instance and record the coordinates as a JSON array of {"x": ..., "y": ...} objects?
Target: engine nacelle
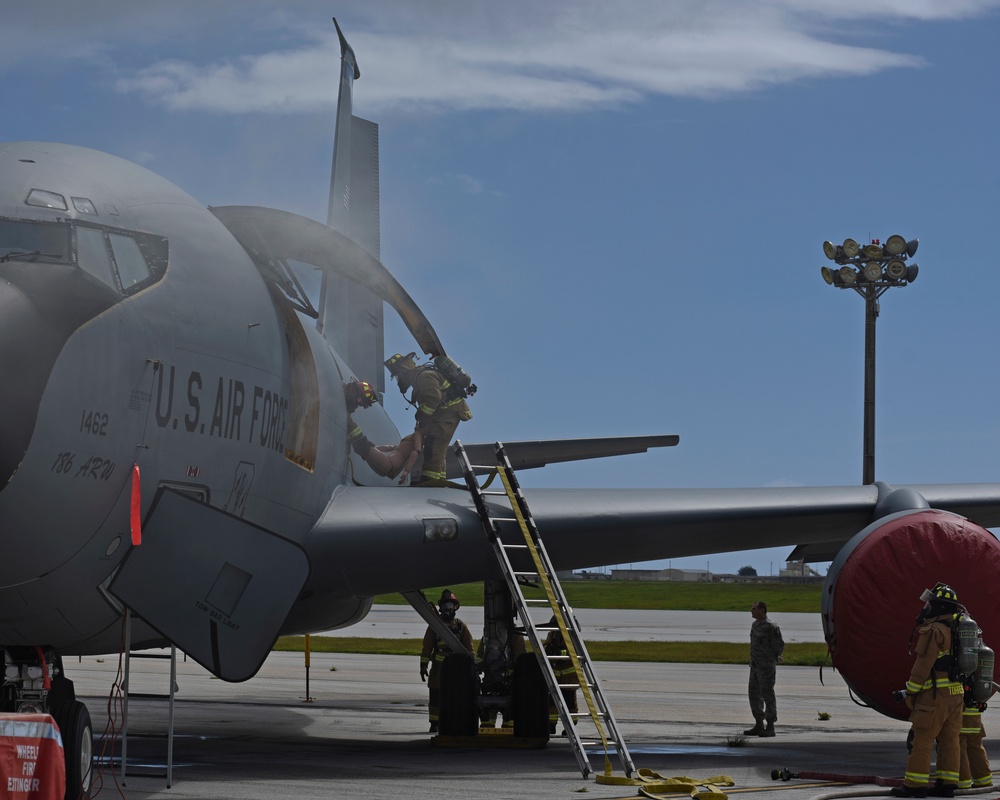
[{"x": 871, "y": 595}]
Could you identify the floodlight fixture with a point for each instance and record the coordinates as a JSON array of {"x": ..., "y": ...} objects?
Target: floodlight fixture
[
  {"x": 872, "y": 271},
  {"x": 895, "y": 245},
  {"x": 896, "y": 270}
]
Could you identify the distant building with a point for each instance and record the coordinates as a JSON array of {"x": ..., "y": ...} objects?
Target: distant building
[
  {"x": 799, "y": 572},
  {"x": 793, "y": 572},
  {"x": 678, "y": 575},
  {"x": 586, "y": 575}
]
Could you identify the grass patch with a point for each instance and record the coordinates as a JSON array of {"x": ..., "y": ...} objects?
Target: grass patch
[
  {"x": 657, "y": 595},
  {"x": 796, "y": 653}
]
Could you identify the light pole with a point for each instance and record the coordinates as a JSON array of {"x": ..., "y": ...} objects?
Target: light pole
[{"x": 870, "y": 270}]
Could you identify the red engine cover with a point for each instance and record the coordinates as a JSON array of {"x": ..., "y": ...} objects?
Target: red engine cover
[{"x": 874, "y": 597}]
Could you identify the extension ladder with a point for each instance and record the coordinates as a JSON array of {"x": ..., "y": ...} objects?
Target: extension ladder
[{"x": 518, "y": 571}]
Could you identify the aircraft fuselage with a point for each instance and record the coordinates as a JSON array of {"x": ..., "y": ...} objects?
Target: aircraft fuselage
[{"x": 150, "y": 338}]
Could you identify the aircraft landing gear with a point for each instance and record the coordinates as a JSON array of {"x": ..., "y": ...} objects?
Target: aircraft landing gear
[{"x": 34, "y": 683}]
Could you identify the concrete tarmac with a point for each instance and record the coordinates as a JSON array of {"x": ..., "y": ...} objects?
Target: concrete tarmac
[
  {"x": 601, "y": 624},
  {"x": 363, "y": 734}
]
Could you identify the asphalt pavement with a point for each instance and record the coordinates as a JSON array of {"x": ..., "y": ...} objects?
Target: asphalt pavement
[{"x": 361, "y": 732}]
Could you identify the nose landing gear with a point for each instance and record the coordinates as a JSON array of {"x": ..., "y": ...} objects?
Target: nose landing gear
[{"x": 34, "y": 683}]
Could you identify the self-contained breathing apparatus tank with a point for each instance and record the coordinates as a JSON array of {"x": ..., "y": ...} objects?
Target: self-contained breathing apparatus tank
[
  {"x": 965, "y": 646},
  {"x": 455, "y": 375},
  {"x": 982, "y": 681}
]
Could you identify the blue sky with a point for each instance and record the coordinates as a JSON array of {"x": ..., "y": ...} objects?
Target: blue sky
[{"x": 613, "y": 214}]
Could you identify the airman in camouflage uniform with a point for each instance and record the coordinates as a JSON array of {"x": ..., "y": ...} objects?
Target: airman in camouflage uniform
[{"x": 766, "y": 647}]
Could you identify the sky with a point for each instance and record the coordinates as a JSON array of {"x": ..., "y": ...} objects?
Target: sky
[{"x": 612, "y": 213}]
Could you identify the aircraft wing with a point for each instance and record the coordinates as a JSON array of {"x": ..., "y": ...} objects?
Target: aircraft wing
[
  {"x": 395, "y": 539},
  {"x": 538, "y": 453}
]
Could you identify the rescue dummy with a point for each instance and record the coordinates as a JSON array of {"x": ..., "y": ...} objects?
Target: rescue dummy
[
  {"x": 434, "y": 651},
  {"x": 440, "y": 407},
  {"x": 386, "y": 460},
  {"x": 934, "y": 698},
  {"x": 398, "y": 459}
]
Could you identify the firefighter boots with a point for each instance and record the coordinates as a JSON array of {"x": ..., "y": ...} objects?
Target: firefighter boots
[{"x": 908, "y": 791}]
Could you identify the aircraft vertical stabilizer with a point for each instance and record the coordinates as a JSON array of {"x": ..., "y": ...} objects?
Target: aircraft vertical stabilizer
[{"x": 351, "y": 316}]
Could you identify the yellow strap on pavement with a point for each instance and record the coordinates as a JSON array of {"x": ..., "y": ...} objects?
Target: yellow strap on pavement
[{"x": 653, "y": 785}]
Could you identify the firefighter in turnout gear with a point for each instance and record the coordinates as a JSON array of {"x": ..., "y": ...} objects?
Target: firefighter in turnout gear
[
  {"x": 934, "y": 698},
  {"x": 386, "y": 460},
  {"x": 358, "y": 394},
  {"x": 440, "y": 407},
  {"x": 766, "y": 648},
  {"x": 974, "y": 764},
  {"x": 554, "y": 645},
  {"x": 435, "y": 651}
]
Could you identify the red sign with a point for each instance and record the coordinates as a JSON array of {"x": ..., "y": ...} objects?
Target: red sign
[{"x": 31, "y": 758}]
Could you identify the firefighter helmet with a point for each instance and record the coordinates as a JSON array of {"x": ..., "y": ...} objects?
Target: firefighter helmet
[
  {"x": 364, "y": 393},
  {"x": 942, "y": 593},
  {"x": 398, "y": 362},
  {"x": 448, "y": 605}
]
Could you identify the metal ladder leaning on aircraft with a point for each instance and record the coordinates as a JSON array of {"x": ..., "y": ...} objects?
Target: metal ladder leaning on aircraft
[{"x": 598, "y": 710}]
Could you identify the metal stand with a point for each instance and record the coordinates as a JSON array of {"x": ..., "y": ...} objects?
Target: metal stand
[{"x": 129, "y": 655}]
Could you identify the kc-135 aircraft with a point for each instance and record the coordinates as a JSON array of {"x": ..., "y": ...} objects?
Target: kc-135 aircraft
[{"x": 174, "y": 440}]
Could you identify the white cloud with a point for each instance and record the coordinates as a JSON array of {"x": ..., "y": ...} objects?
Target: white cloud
[{"x": 519, "y": 55}]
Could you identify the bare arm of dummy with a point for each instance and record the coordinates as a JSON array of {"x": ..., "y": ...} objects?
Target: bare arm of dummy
[{"x": 415, "y": 442}]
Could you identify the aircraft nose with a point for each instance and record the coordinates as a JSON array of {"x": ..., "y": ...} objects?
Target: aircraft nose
[{"x": 40, "y": 307}]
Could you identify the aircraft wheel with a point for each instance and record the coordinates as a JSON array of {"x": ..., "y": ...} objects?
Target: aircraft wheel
[
  {"x": 530, "y": 699},
  {"x": 74, "y": 723},
  {"x": 459, "y": 714}
]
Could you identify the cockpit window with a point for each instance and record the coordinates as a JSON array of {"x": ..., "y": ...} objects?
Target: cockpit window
[
  {"x": 44, "y": 199},
  {"x": 127, "y": 261},
  {"x": 92, "y": 255},
  {"x": 84, "y": 206},
  {"x": 132, "y": 268},
  {"x": 34, "y": 241}
]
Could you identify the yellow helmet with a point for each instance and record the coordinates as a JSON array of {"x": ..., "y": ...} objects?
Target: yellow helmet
[{"x": 395, "y": 364}]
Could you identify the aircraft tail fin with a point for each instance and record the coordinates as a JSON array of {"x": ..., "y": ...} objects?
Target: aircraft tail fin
[{"x": 351, "y": 316}]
